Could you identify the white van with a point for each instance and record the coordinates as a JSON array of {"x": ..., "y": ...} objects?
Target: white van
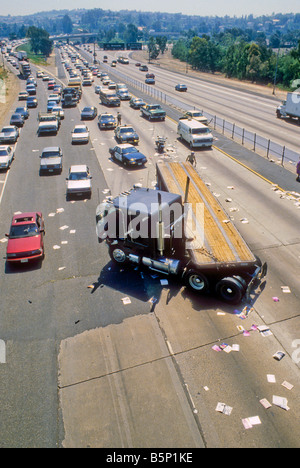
[{"x": 194, "y": 133}]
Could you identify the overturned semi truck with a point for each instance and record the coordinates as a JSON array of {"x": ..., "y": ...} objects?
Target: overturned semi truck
[{"x": 180, "y": 229}]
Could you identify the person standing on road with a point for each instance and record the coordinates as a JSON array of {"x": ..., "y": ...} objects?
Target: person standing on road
[
  {"x": 119, "y": 118},
  {"x": 298, "y": 172},
  {"x": 192, "y": 159}
]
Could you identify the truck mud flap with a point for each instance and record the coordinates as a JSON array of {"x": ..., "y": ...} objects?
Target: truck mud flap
[{"x": 259, "y": 274}]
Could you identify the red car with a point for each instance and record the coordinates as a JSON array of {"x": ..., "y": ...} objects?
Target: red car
[
  {"x": 51, "y": 84},
  {"x": 26, "y": 238}
]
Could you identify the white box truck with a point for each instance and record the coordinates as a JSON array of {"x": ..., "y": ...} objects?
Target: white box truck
[{"x": 289, "y": 108}]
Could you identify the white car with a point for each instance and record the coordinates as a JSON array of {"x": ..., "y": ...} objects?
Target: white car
[
  {"x": 79, "y": 181},
  {"x": 80, "y": 134},
  {"x": 6, "y": 156},
  {"x": 9, "y": 134}
]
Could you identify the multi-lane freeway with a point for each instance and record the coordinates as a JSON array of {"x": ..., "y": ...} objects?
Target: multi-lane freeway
[{"x": 81, "y": 367}]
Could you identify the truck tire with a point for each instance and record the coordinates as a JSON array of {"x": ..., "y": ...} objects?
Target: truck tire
[
  {"x": 196, "y": 282},
  {"x": 230, "y": 290},
  {"x": 118, "y": 255}
]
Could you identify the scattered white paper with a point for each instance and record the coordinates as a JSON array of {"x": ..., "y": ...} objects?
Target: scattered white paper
[
  {"x": 285, "y": 289},
  {"x": 72, "y": 231},
  {"x": 3, "y": 240},
  {"x": 56, "y": 247},
  {"x": 60, "y": 210},
  {"x": 62, "y": 228},
  {"x": 223, "y": 408},
  {"x": 235, "y": 347},
  {"x": 287, "y": 385},
  {"x": 271, "y": 378},
  {"x": 64, "y": 242},
  {"x": 281, "y": 402},
  {"x": 126, "y": 300},
  {"x": 266, "y": 404},
  {"x": 164, "y": 282},
  {"x": 61, "y": 268},
  {"x": 51, "y": 215},
  {"x": 250, "y": 422}
]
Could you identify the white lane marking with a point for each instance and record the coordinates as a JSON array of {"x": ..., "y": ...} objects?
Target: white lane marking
[
  {"x": 2, "y": 352},
  {"x": 5, "y": 181}
]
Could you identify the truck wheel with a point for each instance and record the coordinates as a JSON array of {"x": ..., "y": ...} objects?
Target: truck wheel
[
  {"x": 230, "y": 290},
  {"x": 196, "y": 282},
  {"x": 118, "y": 255}
]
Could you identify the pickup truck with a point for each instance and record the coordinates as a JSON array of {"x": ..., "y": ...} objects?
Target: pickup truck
[
  {"x": 153, "y": 112},
  {"x": 48, "y": 123}
]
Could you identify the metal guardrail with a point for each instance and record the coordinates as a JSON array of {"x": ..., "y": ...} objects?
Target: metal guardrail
[{"x": 257, "y": 143}]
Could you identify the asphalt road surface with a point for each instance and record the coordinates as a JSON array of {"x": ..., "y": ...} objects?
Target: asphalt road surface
[{"x": 83, "y": 369}]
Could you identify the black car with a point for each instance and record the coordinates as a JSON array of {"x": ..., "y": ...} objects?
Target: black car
[
  {"x": 23, "y": 111},
  {"x": 32, "y": 101},
  {"x": 180, "y": 87},
  {"x": 128, "y": 155},
  {"x": 126, "y": 134},
  {"x": 107, "y": 121},
  {"x": 17, "y": 120},
  {"x": 89, "y": 113},
  {"x": 136, "y": 103}
]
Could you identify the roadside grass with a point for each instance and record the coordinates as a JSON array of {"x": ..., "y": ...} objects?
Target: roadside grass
[{"x": 38, "y": 59}]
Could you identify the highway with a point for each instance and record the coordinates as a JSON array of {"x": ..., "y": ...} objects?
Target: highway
[
  {"x": 253, "y": 112},
  {"x": 83, "y": 369}
]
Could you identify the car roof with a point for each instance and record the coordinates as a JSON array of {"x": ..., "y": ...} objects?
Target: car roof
[
  {"x": 25, "y": 217},
  {"x": 79, "y": 168},
  {"x": 125, "y": 145},
  {"x": 81, "y": 126}
]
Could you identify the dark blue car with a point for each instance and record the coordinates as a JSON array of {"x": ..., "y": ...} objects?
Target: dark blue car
[{"x": 128, "y": 155}]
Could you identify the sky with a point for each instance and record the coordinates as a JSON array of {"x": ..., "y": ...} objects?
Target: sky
[{"x": 189, "y": 7}]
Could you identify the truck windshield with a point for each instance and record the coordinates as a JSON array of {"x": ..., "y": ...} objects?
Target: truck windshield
[{"x": 197, "y": 131}]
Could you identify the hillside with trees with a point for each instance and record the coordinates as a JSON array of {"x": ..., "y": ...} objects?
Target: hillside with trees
[{"x": 246, "y": 48}]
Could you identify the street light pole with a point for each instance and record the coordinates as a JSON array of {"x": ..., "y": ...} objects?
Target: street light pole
[{"x": 275, "y": 77}]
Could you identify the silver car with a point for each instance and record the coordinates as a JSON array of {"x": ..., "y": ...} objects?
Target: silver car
[
  {"x": 9, "y": 134},
  {"x": 51, "y": 160}
]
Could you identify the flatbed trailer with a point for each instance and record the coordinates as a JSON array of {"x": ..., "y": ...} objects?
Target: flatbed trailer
[{"x": 217, "y": 247}]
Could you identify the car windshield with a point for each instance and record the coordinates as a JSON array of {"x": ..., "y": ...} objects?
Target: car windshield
[
  {"x": 50, "y": 154},
  {"x": 126, "y": 130},
  {"x": 19, "y": 110},
  {"x": 80, "y": 130},
  {"x": 107, "y": 117},
  {"x": 7, "y": 130},
  {"x": 78, "y": 175},
  {"x": 87, "y": 109},
  {"x": 129, "y": 150},
  {"x": 197, "y": 114},
  {"x": 24, "y": 230}
]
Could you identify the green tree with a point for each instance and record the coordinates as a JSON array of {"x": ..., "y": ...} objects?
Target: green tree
[
  {"x": 161, "y": 41},
  {"x": 67, "y": 25},
  {"x": 39, "y": 40}
]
